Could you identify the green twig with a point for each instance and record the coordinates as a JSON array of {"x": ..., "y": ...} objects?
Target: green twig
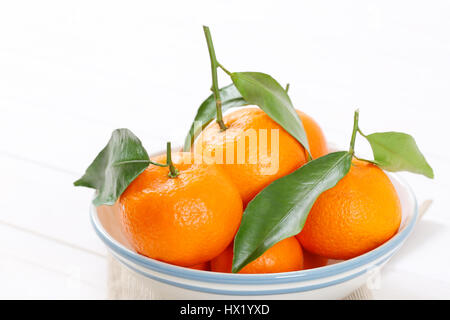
[
  {"x": 355, "y": 130},
  {"x": 287, "y": 88},
  {"x": 215, "y": 85},
  {"x": 173, "y": 172}
]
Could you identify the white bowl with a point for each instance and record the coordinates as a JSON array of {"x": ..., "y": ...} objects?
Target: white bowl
[{"x": 334, "y": 281}]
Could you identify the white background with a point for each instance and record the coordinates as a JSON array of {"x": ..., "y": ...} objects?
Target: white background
[{"x": 72, "y": 71}]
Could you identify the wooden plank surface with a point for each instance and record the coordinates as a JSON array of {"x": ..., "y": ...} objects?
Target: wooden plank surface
[{"x": 34, "y": 266}]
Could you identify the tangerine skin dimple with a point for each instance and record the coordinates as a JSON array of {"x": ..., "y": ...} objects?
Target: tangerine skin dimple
[{"x": 187, "y": 220}]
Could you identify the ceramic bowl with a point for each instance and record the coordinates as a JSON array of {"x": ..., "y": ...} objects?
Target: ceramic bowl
[{"x": 334, "y": 281}]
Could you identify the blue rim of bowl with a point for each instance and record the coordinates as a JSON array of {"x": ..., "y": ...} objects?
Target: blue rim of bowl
[
  {"x": 270, "y": 278},
  {"x": 259, "y": 292}
]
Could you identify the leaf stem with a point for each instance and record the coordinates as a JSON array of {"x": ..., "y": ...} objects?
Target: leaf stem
[
  {"x": 355, "y": 130},
  {"x": 139, "y": 161},
  {"x": 223, "y": 68},
  {"x": 365, "y": 160},
  {"x": 215, "y": 85},
  {"x": 157, "y": 164},
  {"x": 173, "y": 172},
  {"x": 361, "y": 133},
  {"x": 287, "y": 87}
]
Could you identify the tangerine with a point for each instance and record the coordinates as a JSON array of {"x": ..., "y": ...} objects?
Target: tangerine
[
  {"x": 284, "y": 256},
  {"x": 357, "y": 215},
  {"x": 205, "y": 266},
  {"x": 185, "y": 220},
  {"x": 311, "y": 260},
  {"x": 270, "y": 153}
]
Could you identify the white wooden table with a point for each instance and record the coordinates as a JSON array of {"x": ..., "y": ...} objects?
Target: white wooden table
[{"x": 71, "y": 72}]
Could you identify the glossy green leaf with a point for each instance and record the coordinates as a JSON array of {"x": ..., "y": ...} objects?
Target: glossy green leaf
[
  {"x": 115, "y": 167},
  {"x": 265, "y": 92},
  {"x": 279, "y": 211},
  {"x": 396, "y": 151},
  {"x": 206, "y": 113}
]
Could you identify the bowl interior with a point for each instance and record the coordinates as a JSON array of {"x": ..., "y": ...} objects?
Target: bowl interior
[{"x": 106, "y": 220}]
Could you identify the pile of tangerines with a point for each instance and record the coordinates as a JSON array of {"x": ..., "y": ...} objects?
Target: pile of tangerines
[
  {"x": 187, "y": 213},
  {"x": 191, "y": 220}
]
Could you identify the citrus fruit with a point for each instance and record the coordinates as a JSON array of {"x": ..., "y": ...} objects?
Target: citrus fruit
[
  {"x": 201, "y": 266},
  {"x": 357, "y": 215},
  {"x": 311, "y": 260},
  {"x": 185, "y": 220},
  {"x": 284, "y": 256},
  {"x": 316, "y": 138},
  {"x": 240, "y": 148}
]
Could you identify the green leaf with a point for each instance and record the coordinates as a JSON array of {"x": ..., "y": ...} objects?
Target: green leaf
[
  {"x": 264, "y": 91},
  {"x": 279, "y": 211},
  {"x": 115, "y": 167},
  {"x": 396, "y": 151},
  {"x": 206, "y": 113}
]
